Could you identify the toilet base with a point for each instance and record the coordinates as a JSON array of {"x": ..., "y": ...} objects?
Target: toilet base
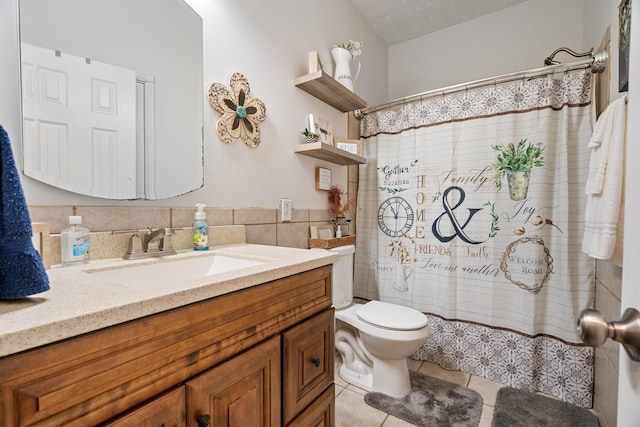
[
  {"x": 391, "y": 377},
  {"x": 364, "y": 381}
]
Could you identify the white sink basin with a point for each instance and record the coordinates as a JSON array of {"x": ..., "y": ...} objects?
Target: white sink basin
[{"x": 160, "y": 273}]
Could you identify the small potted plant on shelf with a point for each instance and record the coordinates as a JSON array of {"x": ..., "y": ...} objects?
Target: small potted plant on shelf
[{"x": 310, "y": 136}]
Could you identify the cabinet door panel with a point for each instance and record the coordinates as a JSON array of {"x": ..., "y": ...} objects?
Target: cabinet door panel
[
  {"x": 166, "y": 411},
  {"x": 308, "y": 362},
  {"x": 241, "y": 392},
  {"x": 321, "y": 413}
]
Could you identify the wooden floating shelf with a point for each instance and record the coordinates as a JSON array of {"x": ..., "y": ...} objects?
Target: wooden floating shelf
[
  {"x": 323, "y": 151},
  {"x": 326, "y": 88}
]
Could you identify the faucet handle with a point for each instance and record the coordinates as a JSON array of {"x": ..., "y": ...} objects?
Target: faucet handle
[
  {"x": 135, "y": 246},
  {"x": 165, "y": 244}
]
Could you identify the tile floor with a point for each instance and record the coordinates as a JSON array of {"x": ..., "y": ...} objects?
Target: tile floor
[{"x": 352, "y": 411}]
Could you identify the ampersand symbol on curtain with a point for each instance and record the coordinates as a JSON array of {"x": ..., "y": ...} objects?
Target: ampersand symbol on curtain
[{"x": 448, "y": 211}]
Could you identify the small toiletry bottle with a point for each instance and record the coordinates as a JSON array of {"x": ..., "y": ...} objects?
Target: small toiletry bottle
[
  {"x": 75, "y": 242},
  {"x": 200, "y": 230}
]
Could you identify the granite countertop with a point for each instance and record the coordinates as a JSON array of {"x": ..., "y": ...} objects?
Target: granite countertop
[{"x": 80, "y": 302}]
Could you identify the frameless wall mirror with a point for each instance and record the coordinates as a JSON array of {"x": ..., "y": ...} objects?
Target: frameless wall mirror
[{"x": 112, "y": 96}]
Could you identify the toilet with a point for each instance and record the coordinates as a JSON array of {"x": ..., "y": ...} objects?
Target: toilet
[{"x": 374, "y": 339}]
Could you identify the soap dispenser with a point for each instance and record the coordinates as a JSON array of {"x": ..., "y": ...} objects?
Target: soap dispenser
[
  {"x": 74, "y": 242},
  {"x": 200, "y": 229}
]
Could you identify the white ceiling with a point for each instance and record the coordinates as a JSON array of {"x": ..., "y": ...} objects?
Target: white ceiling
[{"x": 396, "y": 21}]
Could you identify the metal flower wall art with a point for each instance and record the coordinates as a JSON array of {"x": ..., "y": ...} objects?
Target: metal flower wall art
[{"x": 241, "y": 113}]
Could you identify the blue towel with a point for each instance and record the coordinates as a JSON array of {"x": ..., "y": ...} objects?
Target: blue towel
[{"x": 21, "y": 270}]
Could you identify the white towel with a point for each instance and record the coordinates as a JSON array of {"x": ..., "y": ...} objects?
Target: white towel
[{"x": 605, "y": 180}]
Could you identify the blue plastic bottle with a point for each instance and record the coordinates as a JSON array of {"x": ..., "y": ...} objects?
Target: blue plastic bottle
[{"x": 200, "y": 230}]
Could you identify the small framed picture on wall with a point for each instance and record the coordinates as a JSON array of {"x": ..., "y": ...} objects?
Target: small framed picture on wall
[
  {"x": 325, "y": 131},
  {"x": 323, "y": 179},
  {"x": 350, "y": 145},
  {"x": 325, "y": 232},
  {"x": 321, "y": 231},
  {"x": 322, "y": 127}
]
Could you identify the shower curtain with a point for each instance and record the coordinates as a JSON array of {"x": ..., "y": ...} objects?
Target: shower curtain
[{"x": 471, "y": 210}]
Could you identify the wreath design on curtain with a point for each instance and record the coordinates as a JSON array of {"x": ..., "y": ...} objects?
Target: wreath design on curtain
[{"x": 241, "y": 113}]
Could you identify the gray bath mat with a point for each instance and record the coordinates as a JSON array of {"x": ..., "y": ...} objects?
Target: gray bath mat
[
  {"x": 520, "y": 408},
  {"x": 432, "y": 402}
]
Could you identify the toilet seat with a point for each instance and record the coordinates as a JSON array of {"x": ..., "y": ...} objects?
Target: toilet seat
[{"x": 391, "y": 316}]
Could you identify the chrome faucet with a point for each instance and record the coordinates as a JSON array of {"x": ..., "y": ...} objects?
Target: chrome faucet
[{"x": 153, "y": 243}]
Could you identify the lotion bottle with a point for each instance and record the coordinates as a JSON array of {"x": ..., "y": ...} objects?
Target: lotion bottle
[
  {"x": 200, "y": 230},
  {"x": 74, "y": 242}
]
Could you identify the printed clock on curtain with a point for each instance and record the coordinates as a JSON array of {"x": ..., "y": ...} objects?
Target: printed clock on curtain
[{"x": 395, "y": 216}]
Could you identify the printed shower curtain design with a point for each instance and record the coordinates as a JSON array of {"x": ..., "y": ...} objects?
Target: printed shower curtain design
[{"x": 470, "y": 209}]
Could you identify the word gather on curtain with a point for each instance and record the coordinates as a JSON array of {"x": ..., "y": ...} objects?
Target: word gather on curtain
[{"x": 471, "y": 210}]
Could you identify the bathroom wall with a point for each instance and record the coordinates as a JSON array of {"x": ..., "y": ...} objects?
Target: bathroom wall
[
  {"x": 512, "y": 39},
  {"x": 598, "y": 15},
  {"x": 269, "y": 43},
  {"x": 504, "y": 42}
]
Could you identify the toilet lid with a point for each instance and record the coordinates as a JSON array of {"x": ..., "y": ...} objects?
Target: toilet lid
[{"x": 391, "y": 316}]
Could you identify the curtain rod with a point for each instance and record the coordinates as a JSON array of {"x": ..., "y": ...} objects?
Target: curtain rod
[{"x": 597, "y": 64}]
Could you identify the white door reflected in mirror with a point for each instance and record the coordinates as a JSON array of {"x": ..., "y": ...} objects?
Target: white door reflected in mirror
[
  {"x": 112, "y": 101},
  {"x": 66, "y": 98}
]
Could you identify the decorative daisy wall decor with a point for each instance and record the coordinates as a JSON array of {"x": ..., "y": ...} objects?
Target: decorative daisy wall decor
[{"x": 241, "y": 113}]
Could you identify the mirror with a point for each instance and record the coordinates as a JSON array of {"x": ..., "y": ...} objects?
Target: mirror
[{"x": 112, "y": 96}]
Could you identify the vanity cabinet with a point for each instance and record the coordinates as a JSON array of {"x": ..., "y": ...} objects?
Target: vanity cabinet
[
  {"x": 245, "y": 391},
  {"x": 167, "y": 410},
  {"x": 259, "y": 356},
  {"x": 308, "y": 350}
]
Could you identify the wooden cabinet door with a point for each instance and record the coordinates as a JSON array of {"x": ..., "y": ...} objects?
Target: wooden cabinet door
[
  {"x": 321, "y": 413},
  {"x": 308, "y": 362},
  {"x": 167, "y": 410},
  {"x": 241, "y": 392}
]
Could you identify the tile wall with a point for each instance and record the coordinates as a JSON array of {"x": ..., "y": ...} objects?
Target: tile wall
[
  {"x": 608, "y": 292},
  {"x": 261, "y": 226}
]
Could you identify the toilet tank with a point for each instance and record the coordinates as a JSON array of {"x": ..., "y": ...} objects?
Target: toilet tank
[{"x": 343, "y": 276}]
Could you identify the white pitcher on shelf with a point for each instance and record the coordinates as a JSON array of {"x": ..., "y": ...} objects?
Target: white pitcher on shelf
[{"x": 343, "y": 55}]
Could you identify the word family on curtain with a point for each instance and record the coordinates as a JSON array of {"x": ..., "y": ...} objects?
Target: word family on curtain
[{"x": 471, "y": 210}]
